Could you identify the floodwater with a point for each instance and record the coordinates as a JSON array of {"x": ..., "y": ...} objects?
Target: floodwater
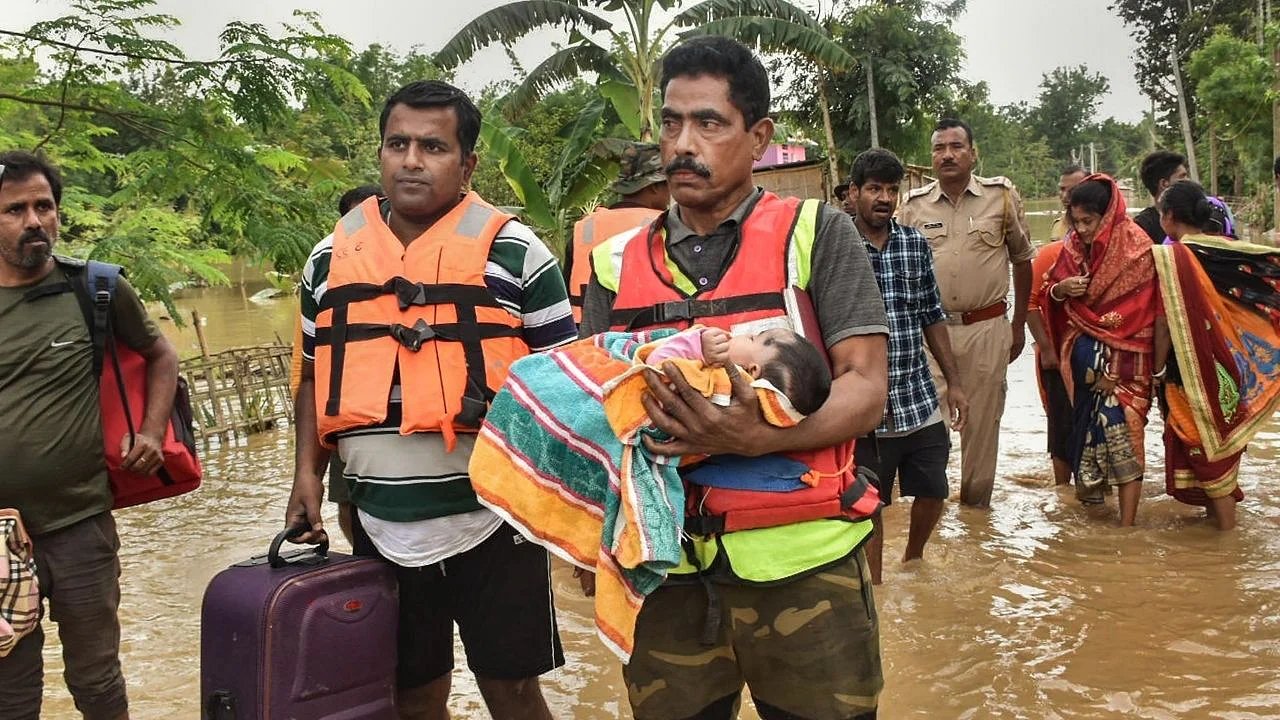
[{"x": 1039, "y": 608}]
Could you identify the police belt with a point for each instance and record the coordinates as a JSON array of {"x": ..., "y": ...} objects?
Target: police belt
[{"x": 989, "y": 312}]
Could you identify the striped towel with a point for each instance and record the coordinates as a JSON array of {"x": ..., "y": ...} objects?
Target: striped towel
[
  {"x": 19, "y": 593},
  {"x": 560, "y": 457}
]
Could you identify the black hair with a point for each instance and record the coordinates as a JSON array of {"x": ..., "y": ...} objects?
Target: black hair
[
  {"x": 1072, "y": 169},
  {"x": 724, "y": 58},
  {"x": 21, "y": 165},
  {"x": 947, "y": 123},
  {"x": 1187, "y": 202},
  {"x": 355, "y": 196},
  {"x": 1091, "y": 195},
  {"x": 876, "y": 164},
  {"x": 432, "y": 94},
  {"x": 1159, "y": 165},
  {"x": 799, "y": 371},
  {"x": 1275, "y": 169}
]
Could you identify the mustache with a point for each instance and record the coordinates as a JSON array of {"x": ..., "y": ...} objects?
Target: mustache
[
  {"x": 688, "y": 164},
  {"x": 33, "y": 235}
]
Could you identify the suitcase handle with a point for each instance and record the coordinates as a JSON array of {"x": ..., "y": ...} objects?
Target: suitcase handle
[
  {"x": 273, "y": 553},
  {"x": 221, "y": 706}
]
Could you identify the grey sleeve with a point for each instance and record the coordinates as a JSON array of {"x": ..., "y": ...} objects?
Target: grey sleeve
[
  {"x": 842, "y": 283},
  {"x": 597, "y": 306}
]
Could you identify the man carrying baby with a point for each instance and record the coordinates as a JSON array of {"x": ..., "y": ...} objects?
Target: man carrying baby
[{"x": 782, "y": 602}]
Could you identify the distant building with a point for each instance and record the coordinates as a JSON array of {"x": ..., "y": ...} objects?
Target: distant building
[{"x": 781, "y": 154}]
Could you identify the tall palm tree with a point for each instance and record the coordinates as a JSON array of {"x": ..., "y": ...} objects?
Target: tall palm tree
[{"x": 625, "y": 55}]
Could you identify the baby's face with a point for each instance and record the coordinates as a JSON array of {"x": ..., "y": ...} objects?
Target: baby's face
[{"x": 756, "y": 350}]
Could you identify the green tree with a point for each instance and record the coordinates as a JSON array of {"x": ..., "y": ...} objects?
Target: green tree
[
  {"x": 626, "y": 54},
  {"x": 912, "y": 57},
  {"x": 1065, "y": 112},
  {"x": 1007, "y": 144},
  {"x": 556, "y": 173},
  {"x": 1233, "y": 81},
  {"x": 1184, "y": 25},
  {"x": 168, "y": 160}
]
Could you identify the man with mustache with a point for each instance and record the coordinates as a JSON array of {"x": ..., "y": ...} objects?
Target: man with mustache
[
  {"x": 412, "y": 311},
  {"x": 977, "y": 230},
  {"x": 52, "y": 446},
  {"x": 912, "y": 442},
  {"x": 774, "y": 591}
]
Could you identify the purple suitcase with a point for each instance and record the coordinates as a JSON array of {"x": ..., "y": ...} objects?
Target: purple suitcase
[{"x": 300, "y": 635}]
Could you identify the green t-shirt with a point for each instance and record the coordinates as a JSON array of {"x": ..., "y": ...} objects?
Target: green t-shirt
[{"x": 51, "y": 448}]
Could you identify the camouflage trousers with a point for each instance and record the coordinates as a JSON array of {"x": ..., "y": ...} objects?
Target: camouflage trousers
[{"x": 807, "y": 649}]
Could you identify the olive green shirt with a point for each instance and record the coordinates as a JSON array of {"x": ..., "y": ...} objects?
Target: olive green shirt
[{"x": 51, "y": 449}]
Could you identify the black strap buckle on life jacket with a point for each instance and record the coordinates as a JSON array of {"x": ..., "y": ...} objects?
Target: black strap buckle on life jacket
[
  {"x": 863, "y": 479},
  {"x": 412, "y": 337},
  {"x": 690, "y": 309},
  {"x": 467, "y": 330}
]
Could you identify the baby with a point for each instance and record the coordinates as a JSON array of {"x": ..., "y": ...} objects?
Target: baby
[
  {"x": 560, "y": 455},
  {"x": 780, "y": 356}
]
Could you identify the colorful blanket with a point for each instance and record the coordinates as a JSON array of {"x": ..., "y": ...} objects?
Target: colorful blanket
[
  {"x": 1223, "y": 309},
  {"x": 560, "y": 457}
]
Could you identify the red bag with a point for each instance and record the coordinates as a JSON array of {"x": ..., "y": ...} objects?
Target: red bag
[{"x": 181, "y": 470}]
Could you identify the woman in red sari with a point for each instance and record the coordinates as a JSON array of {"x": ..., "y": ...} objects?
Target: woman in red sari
[
  {"x": 1222, "y": 378},
  {"x": 1102, "y": 309}
]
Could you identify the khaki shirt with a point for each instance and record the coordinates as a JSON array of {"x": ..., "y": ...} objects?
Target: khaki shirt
[
  {"x": 973, "y": 241},
  {"x": 1059, "y": 229}
]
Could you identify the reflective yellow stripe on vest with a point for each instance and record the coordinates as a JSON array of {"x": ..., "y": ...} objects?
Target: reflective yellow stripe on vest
[
  {"x": 800, "y": 255},
  {"x": 606, "y": 258}
]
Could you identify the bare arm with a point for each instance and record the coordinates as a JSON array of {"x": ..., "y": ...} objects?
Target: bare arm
[
  {"x": 1048, "y": 353},
  {"x": 310, "y": 459},
  {"x": 856, "y": 404},
  {"x": 1021, "y": 293},
  {"x": 146, "y": 454},
  {"x": 162, "y": 383}
]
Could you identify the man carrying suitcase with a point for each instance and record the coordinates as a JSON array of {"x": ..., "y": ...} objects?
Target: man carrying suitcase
[
  {"x": 55, "y": 472},
  {"x": 412, "y": 310}
]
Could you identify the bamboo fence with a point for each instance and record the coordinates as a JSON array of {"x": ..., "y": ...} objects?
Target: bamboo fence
[{"x": 239, "y": 391}]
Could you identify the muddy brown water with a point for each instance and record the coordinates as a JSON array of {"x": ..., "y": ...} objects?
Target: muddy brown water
[{"x": 1038, "y": 608}]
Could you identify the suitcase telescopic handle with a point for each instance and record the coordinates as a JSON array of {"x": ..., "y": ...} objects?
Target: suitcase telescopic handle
[{"x": 273, "y": 553}]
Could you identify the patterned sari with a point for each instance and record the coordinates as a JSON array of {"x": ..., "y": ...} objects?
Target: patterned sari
[
  {"x": 1223, "y": 383},
  {"x": 1107, "y": 331}
]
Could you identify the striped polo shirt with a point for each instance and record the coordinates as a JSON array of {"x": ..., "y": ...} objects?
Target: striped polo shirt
[{"x": 412, "y": 478}]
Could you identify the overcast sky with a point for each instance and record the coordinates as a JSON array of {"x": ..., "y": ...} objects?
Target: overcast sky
[{"x": 1009, "y": 44}]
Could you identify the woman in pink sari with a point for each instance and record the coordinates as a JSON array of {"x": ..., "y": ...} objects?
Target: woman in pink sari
[{"x": 1101, "y": 312}]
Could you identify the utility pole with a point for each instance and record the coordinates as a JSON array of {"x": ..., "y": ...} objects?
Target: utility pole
[
  {"x": 871, "y": 103},
  {"x": 1187, "y": 139}
]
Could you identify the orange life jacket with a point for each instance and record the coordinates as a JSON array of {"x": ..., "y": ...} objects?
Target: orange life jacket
[
  {"x": 589, "y": 232},
  {"x": 757, "y": 288},
  {"x": 422, "y": 313}
]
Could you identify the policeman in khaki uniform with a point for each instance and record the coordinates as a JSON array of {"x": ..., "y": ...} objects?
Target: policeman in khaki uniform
[{"x": 977, "y": 229}]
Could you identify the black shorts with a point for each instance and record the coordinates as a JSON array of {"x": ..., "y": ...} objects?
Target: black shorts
[
  {"x": 919, "y": 458},
  {"x": 1058, "y": 410},
  {"x": 499, "y": 594}
]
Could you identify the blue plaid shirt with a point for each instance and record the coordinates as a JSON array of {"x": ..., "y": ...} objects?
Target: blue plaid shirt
[{"x": 904, "y": 270}]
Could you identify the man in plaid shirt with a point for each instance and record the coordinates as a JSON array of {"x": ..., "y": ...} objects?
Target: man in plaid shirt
[{"x": 912, "y": 441}]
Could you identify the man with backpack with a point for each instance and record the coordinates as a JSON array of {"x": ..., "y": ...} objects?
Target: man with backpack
[{"x": 55, "y": 473}]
